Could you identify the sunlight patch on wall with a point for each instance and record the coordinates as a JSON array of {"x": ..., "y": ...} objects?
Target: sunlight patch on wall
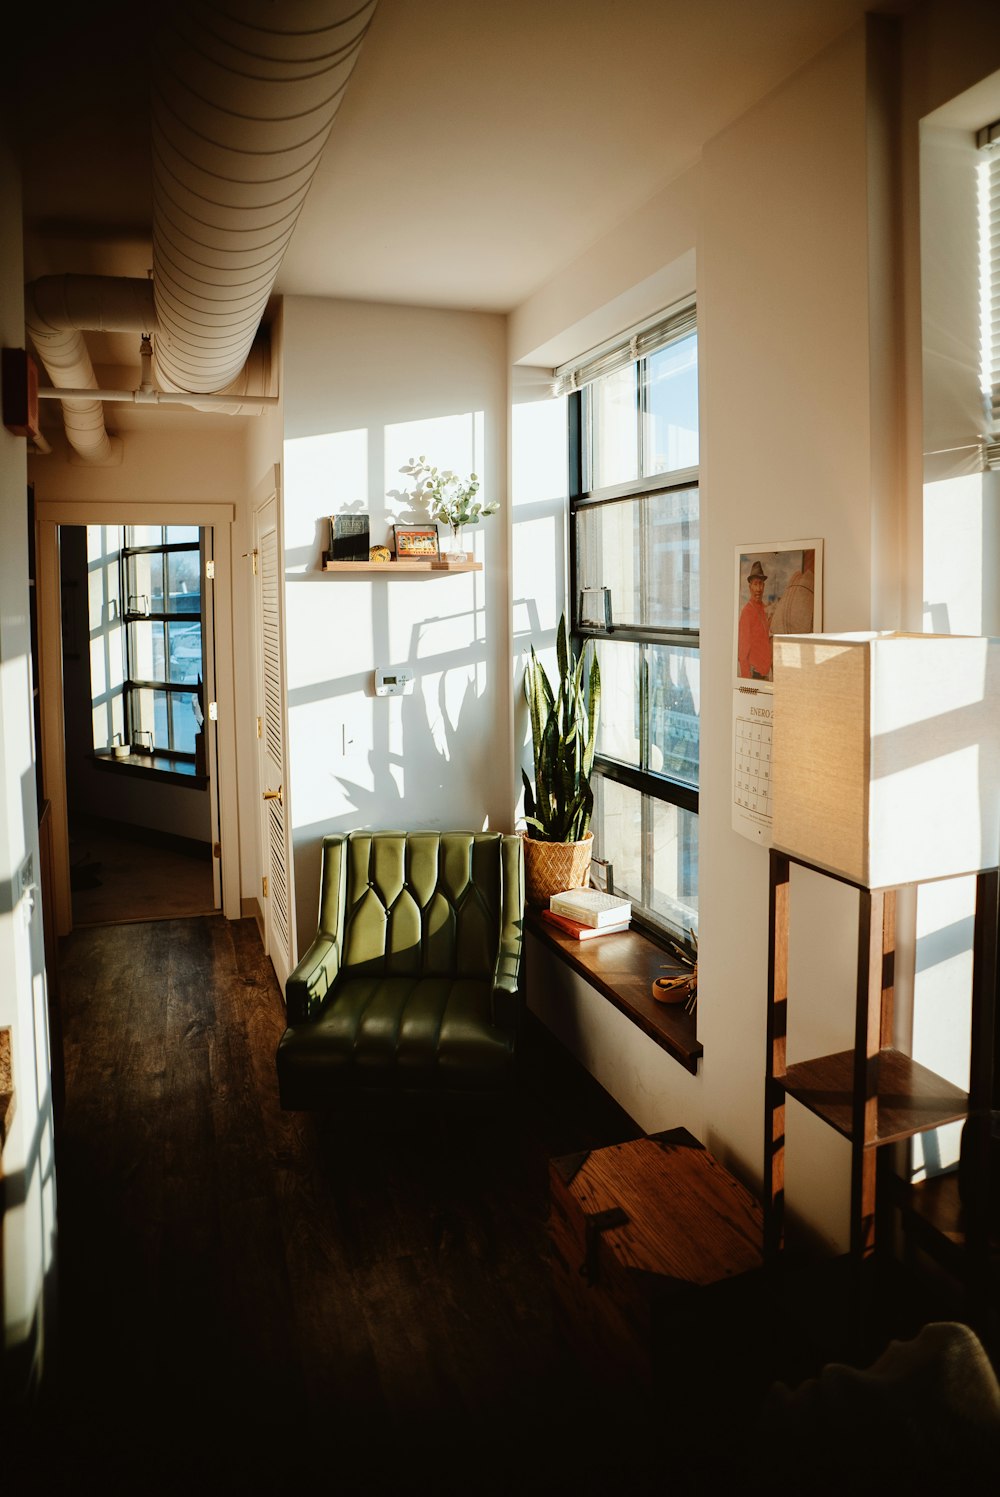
[
  {"x": 457, "y": 441},
  {"x": 332, "y": 469}
]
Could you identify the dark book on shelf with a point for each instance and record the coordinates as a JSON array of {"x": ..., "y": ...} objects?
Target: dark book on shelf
[{"x": 349, "y": 538}]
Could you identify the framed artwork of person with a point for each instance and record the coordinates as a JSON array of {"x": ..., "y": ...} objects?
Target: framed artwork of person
[{"x": 779, "y": 590}]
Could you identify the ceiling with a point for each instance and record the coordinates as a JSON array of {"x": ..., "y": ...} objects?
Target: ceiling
[{"x": 478, "y": 150}]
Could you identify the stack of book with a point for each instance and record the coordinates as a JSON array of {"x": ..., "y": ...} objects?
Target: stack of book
[{"x": 583, "y": 913}]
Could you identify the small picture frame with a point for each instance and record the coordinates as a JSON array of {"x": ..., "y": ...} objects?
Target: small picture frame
[{"x": 417, "y": 542}]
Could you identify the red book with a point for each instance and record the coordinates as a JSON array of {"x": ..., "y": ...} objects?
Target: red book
[{"x": 576, "y": 929}]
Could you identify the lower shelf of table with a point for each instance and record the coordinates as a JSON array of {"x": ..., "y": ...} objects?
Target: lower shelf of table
[{"x": 911, "y": 1098}]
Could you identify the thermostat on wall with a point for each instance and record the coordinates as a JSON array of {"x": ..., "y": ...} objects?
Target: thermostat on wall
[{"x": 393, "y": 682}]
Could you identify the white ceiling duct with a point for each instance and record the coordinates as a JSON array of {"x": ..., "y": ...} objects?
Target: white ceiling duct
[
  {"x": 244, "y": 95},
  {"x": 58, "y": 309}
]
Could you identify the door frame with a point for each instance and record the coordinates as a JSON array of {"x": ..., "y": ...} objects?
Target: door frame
[
  {"x": 49, "y": 515},
  {"x": 266, "y": 491}
]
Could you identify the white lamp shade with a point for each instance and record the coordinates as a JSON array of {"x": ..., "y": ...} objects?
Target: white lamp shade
[{"x": 885, "y": 764}]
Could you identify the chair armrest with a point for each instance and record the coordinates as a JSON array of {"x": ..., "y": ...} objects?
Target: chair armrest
[
  {"x": 505, "y": 997},
  {"x": 309, "y": 986}
]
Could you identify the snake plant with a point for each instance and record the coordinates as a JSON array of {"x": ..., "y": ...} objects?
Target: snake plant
[{"x": 558, "y": 807}]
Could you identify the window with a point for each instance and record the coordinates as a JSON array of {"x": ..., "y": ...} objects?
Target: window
[
  {"x": 154, "y": 617},
  {"x": 635, "y": 600}
]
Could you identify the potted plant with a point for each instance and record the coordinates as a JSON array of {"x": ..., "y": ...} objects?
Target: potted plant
[
  {"x": 450, "y": 500},
  {"x": 558, "y": 808}
]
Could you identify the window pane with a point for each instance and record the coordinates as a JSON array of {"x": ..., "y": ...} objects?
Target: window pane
[
  {"x": 144, "y": 535},
  {"x": 674, "y": 895},
  {"x": 176, "y": 535},
  {"x": 644, "y": 551},
  {"x": 169, "y": 715},
  {"x": 181, "y": 705},
  {"x": 144, "y": 575},
  {"x": 613, "y": 417},
  {"x": 674, "y": 711},
  {"x": 184, "y": 582},
  {"x": 184, "y": 640},
  {"x": 665, "y": 891},
  {"x": 617, "y": 828},
  {"x": 618, "y": 727},
  {"x": 670, "y": 426},
  {"x": 147, "y": 653}
]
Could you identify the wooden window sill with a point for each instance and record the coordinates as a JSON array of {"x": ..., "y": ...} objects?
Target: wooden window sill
[
  {"x": 622, "y": 968},
  {"x": 167, "y": 769}
]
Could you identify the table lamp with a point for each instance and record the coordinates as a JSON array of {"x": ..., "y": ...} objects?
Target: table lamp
[{"x": 885, "y": 762}]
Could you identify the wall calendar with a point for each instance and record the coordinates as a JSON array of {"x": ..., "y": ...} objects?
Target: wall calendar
[{"x": 779, "y": 590}]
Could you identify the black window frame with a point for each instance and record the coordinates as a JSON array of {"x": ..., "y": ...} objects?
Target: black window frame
[
  {"x": 647, "y": 782},
  {"x": 133, "y": 684}
]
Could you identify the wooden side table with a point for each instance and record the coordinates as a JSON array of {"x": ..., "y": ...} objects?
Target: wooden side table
[{"x": 638, "y": 1233}]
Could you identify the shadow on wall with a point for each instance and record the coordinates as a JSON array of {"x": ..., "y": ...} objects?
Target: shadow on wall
[{"x": 432, "y": 733}]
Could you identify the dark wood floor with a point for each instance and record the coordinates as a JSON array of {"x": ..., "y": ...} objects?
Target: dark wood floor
[
  {"x": 247, "y": 1294},
  {"x": 249, "y": 1297},
  {"x": 119, "y": 872}
]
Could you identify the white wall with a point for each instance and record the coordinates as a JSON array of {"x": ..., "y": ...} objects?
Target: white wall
[
  {"x": 366, "y": 387},
  {"x": 790, "y": 449},
  {"x": 28, "y": 1223}
]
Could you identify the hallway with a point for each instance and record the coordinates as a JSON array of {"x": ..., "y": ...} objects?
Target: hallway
[{"x": 120, "y": 872}]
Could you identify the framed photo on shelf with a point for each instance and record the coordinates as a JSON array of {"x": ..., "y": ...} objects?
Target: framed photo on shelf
[{"x": 417, "y": 542}]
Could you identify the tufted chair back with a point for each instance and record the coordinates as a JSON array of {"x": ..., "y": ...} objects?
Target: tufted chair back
[{"x": 417, "y": 904}]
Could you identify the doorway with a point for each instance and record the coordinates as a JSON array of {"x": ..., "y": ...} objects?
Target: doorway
[
  {"x": 142, "y": 810},
  {"x": 52, "y": 516}
]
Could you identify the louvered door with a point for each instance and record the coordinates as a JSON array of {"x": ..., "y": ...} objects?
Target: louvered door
[{"x": 275, "y": 860}]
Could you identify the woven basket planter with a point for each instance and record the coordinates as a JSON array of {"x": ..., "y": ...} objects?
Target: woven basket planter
[{"x": 551, "y": 867}]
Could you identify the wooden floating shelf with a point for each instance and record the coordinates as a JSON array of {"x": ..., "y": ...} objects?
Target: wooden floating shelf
[{"x": 410, "y": 567}]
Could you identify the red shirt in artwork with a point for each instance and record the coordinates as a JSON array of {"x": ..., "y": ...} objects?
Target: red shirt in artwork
[{"x": 754, "y": 645}]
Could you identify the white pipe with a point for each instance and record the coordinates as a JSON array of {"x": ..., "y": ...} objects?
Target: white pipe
[
  {"x": 56, "y": 310},
  {"x": 241, "y": 108},
  {"x": 155, "y": 397},
  {"x": 242, "y": 105}
]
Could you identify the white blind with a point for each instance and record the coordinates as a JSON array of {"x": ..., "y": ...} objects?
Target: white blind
[
  {"x": 666, "y": 327},
  {"x": 989, "y": 204}
]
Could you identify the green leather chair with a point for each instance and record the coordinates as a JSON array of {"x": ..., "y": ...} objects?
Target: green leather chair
[{"x": 410, "y": 989}]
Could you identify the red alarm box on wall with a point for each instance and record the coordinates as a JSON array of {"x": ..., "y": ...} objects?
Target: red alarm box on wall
[{"x": 20, "y": 392}]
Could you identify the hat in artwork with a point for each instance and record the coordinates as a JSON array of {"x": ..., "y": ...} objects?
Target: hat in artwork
[{"x": 756, "y": 571}]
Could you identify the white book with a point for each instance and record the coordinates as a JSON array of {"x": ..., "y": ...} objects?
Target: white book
[{"x": 591, "y": 906}]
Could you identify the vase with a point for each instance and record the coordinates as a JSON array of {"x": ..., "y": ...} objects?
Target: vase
[
  {"x": 552, "y": 867},
  {"x": 456, "y": 550}
]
